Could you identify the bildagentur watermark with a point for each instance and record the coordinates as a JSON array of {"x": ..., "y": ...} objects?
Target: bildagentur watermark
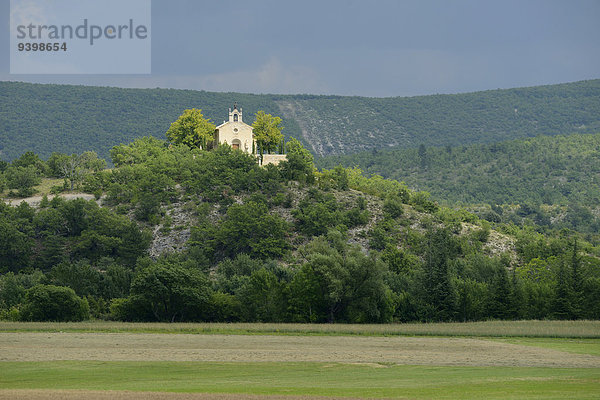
[
  {"x": 80, "y": 37},
  {"x": 83, "y": 31}
]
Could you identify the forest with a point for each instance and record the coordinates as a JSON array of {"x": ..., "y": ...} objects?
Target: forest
[
  {"x": 553, "y": 180},
  {"x": 283, "y": 243},
  {"x": 74, "y": 119}
]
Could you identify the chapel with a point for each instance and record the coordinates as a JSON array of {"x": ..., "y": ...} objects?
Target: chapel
[{"x": 235, "y": 132}]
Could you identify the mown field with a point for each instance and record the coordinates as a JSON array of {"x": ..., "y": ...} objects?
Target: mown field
[{"x": 549, "y": 360}]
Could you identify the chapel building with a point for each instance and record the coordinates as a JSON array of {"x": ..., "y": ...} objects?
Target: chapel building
[
  {"x": 235, "y": 132},
  {"x": 239, "y": 135}
]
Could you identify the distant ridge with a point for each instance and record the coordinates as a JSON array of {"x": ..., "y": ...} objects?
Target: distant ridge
[{"x": 66, "y": 118}]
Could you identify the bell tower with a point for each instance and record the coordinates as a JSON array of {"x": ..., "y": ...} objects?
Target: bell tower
[{"x": 235, "y": 115}]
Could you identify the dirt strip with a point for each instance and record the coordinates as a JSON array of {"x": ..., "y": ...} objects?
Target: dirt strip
[
  {"x": 35, "y": 394},
  {"x": 39, "y": 346}
]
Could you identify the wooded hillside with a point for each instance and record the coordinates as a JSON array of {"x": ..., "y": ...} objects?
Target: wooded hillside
[{"x": 66, "y": 118}]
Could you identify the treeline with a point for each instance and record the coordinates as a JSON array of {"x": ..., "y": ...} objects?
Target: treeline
[
  {"x": 74, "y": 119},
  {"x": 558, "y": 171},
  {"x": 279, "y": 243}
]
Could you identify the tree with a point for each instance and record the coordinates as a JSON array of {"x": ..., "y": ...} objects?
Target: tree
[
  {"x": 15, "y": 247},
  {"x": 76, "y": 167},
  {"x": 54, "y": 303},
  {"x": 343, "y": 283},
  {"x": 267, "y": 132},
  {"x": 439, "y": 291},
  {"x": 499, "y": 302},
  {"x": 29, "y": 158},
  {"x": 576, "y": 282},
  {"x": 299, "y": 163},
  {"x": 192, "y": 129},
  {"x": 261, "y": 297},
  {"x": 561, "y": 306},
  {"x": 23, "y": 179},
  {"x": 249, "y": 228},
  {"x": 170, "y": 291}
]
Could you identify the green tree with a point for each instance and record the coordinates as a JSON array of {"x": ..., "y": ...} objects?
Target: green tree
[
  {"x": 299, "y": 163},
  {"x": 261, "y": 297},
  {"x": 12, "y": 291},
  {"x": 170, "y": 291},
  {"x": 577, "y": 282},
  {"x": 249, "y": 228},
  {"x": 267, "y": 132},
  {"x": 54, "y": 303},
  {"x": 192, "y": 129},
  {"x": 29, "y": 158},
  {"x": 75, "y": 168},
  {"x": 500, "y": 291},
  {"x": 561, "y": 306},
  {"x": 439, "y": 291},
  {"x": 80, "y": 276},
  {"x": 23, "y": 179},
  {"x": 15, "y": 247},
  {"x": 351, "y": 284}
]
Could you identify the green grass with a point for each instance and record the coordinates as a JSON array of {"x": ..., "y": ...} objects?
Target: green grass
[
  {"x": 322, "y": 379},
  {"x": 533, "y": 329},
  {"x": 577, "y": 346},
  {"x": 42, "y": 189},
  {"x": 46, "y": 185}
]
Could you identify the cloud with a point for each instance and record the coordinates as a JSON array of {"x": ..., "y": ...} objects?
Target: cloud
[{"x": 270, "y": 77}]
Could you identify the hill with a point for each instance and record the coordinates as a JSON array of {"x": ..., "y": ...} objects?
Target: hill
[
  {"x": 544, "y": 169},
  {"x": 66, "y": 118},
  {"x": 561, "y": 172},
  {"x": 180, "y": 234}
]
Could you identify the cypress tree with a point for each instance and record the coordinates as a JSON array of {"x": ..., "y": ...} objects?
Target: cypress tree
[
  {"x": 440, "y": 292},
  {"x": 562, "y": 302},
  {"x": 517, "y": 298},
  {"x": 500, "y": 296},
  {"x": 576, "y": 283}
]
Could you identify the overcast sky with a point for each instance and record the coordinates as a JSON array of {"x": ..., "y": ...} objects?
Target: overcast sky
[{"x": 366, "y": 48}]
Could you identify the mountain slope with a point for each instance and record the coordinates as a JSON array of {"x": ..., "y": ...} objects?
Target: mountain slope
[
  {"x": 551, "y": 170},
  {"x": 65, "y": 118}
]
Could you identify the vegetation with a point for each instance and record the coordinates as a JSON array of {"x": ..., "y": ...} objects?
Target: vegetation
[
  {"x": 415, "y": 382},
  {"x": 516, "y": 330},
  {"x": 551, "y": 181},
  {"x": 192, "y": 129},
  {"x": 267, "y": 132},
  {"x": 314, "y": 379},
  {"x": 281, "y": 244},
  {"x": 74, "y": 119}
]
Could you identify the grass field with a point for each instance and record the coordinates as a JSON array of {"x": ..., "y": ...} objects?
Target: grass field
[
  {"x": 308, "y": 379},
  {"x": 106, "y": 360},
  {"x": 541, "y": 329}
]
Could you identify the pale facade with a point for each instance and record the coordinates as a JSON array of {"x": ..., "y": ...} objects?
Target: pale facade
[
  {"x": 239, "y": 136},
  {"x": 235, "y": 132}
]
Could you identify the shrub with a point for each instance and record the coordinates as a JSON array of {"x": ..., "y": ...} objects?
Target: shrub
[{"x": 54, "y": 303}]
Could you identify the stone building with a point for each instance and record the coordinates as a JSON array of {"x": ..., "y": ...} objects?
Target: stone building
[
  {"x": 238, "y": 135},
  {"x": 235, "y": 132}
]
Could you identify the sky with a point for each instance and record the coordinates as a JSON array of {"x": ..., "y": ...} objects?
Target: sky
[{"x": 366, "y": 48}]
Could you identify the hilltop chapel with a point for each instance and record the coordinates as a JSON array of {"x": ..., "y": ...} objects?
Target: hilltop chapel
[
  {"x": 239, "y": 136},
  {"x": 235, "y": 132}
]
